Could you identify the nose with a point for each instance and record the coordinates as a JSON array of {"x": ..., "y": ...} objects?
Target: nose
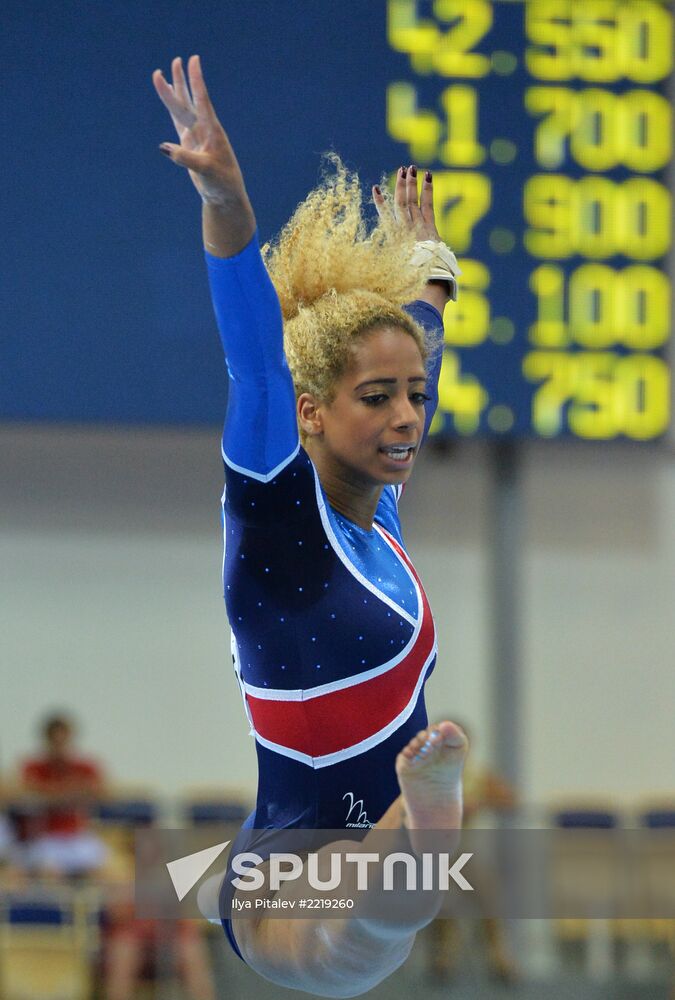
[{"x": 406, "y": 415}]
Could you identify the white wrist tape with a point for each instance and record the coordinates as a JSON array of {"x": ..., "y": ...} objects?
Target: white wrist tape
[{"x": 445, "y": 266}]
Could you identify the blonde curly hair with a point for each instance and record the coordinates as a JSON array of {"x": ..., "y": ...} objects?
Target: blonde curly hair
[{"x": 336, "y": 281}]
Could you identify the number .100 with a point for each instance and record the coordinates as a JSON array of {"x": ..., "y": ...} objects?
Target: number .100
[{"x": 601, "y": 306}]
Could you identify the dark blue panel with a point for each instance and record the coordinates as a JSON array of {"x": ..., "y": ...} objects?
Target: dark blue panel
[
  {"x": 586, "y": 819},
  {"x": 105, "y": 308}
]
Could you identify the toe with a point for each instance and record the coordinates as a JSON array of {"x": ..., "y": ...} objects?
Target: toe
[{"x": 452, "y": 735}]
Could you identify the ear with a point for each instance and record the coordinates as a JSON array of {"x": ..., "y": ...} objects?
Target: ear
[{"x": 309, "y": 414}]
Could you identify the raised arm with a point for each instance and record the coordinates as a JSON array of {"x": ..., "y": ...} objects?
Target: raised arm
[
  {"x": 261, "y": 428},
  {"x": 415, "y": 210},
  {"x": 205, "y": 150}
]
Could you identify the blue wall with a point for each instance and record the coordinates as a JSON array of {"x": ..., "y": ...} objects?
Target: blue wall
[{"x": 105, "y": 313}]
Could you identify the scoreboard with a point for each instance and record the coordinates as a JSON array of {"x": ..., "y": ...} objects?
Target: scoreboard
[{"x": 547, "y": 125}]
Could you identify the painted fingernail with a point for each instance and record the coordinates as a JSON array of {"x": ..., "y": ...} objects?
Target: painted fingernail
[
  {"x": 427, "y": 177},
  {"x": 403, "y": 171},
  {"x": 377, "y": 189},
  {"x": 165, "y": 148},
  {"x": 413, "y": 171}
]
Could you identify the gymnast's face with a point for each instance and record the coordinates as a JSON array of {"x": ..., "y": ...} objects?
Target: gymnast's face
[{"x": 370, "y": 431}]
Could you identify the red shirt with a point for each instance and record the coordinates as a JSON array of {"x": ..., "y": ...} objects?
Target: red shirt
[{"x": 74, "y": 776}]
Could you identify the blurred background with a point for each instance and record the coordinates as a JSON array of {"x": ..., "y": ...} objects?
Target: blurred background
[{"x": 541, "y": 516}]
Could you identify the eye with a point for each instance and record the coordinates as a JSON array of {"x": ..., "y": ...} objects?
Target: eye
[
  {"x": 374, "y": 400},
  {"x": 420, "y": 398}
]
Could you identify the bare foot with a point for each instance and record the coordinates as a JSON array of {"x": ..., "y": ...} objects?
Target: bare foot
[{"x": 429, "y": 771}]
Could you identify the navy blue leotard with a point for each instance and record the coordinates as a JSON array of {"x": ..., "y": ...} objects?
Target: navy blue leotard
[{"x": 332, "y": 635}]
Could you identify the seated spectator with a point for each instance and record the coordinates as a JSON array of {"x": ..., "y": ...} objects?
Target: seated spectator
[
  {"x": 136, "y": 951},
  {"x": 133, "y": 948},
  {"x": 57, "y": 789}
]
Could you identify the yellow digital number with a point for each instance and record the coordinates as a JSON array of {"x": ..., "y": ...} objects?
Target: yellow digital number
[
  {"x": 444, "y": 52},
  {"x": 592, "y": 413},
  {"x": 604, "y": 130},
  {"x": 467, "y": 322},
  {"x": 473, "y": 21},
  {"x": 643, "y": 307},
  {"x": 550, "y": 329},
  {"x": 646, "y": 217},
  {"x": 645, "y": 131},
  {"x": 592, "y": 306},
  {"x": 547, "y": 201},
  {"x": 602, "y": 307},
  {"x": 596, "y": 138},
  {"x": 629, "y": 307},
  {"x": 596, "y": 217},
  {"x": 547, "y": 24},
  {"x": 461, "y": 148},
  {"x": 558, "y": 108},
  {"x": 645, "y": 41},
  {"x": 556, "y": 370},
  {"x": 462, "y": 199},
  {"x": 599, "y": 40},
  {"x": 462, "y": 396},
  {"x": 419, "y": 129},
  {"x": 595, "y": 228},
  {"x": 406, "y": 32},
  {"x": 595, "y": 56},
  {"x": 644, "y": 396},
  {"x": 600, "y": 394}
]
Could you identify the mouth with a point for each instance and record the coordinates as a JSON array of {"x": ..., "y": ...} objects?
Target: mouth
[{"x": 402, "y": 454}]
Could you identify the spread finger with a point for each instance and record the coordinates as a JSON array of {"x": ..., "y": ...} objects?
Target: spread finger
[
  {"x": 401, "y": 212},
  {"x": 411, "y": 191},
  {"x": 427, "y": 198}
]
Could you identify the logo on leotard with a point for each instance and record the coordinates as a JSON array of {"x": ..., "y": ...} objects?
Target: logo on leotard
[{"x": 356, "y": 813}]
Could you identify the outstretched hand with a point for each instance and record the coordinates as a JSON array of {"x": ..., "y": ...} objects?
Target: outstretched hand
[
  {"x": 412, "y": 211},
  {"x": 205, "y": 150}
]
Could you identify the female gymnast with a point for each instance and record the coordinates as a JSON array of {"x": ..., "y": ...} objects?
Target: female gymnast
[{"x": 329, "y": 399}]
